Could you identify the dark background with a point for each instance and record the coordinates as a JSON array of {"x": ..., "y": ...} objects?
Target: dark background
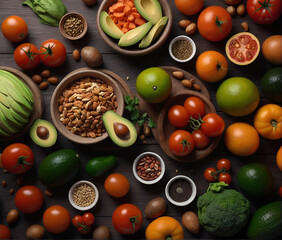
[{"x": 139, "y": 194}]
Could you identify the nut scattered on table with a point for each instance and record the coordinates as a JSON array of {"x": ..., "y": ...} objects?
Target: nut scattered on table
[
  {"x": 241, "y": 9},
  {"x": 178, "y": 74},
  {"x": 43, "y": 85},
  {"x": 187, "y": 83},
  {"x": 191, "y": 29},
  {"x": 4, "y": 183},
  {"x": 148, "y": 168},
  {"x": 231, "y": 10},
  {"x": 184, "y": 23},
  {"x": 45, "y": 73},
  {"x": 76, "y": 55},
  {"x": 37, "y": 78},
  {"x": 53, "y": 80},
  {"x": 83, "y": 195},
  {"x": 245, "y": 26}
]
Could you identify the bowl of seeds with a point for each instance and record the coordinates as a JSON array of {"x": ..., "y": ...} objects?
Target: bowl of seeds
[
  {"x": 80, "y": 100},
  {"x": 182, "y": 49},
  {"x": 73, "y": 26},
  {"x": 83, "y": 195}
]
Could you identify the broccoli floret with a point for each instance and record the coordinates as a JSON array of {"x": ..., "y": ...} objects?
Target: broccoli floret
[{"x": 223, "y": 213}]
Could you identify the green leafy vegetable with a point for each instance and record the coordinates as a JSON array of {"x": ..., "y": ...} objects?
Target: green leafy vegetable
[{"x": 49, "y": 12}]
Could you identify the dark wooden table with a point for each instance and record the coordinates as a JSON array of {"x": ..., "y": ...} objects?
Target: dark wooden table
[{"x": 139, "y": 194}]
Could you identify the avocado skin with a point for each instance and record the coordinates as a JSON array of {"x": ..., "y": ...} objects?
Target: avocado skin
[
  {"x": 99, "y": 165},
  {"x": 59, "y": 167}
]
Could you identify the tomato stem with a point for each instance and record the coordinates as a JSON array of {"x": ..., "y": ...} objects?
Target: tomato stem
[
  {"x": 22, "y": 162},
  {"x": 218, "y": 23},
  {"x": 134, "y": 220},
  {"x": 48, "y": 51},
  {"x": 85, "y": 228},
  {"x": 265, "y": 5},
  {"x": 218, "y": 66},
  {"x": 195, "y": 124},
  {"x": 185, "y": 143},
  {"x": 274, "y": 123},
  {"x": 168, "y": 238},
  {"x": 30, "y": 54}
]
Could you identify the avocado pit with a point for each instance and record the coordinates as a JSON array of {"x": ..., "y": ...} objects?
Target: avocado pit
[
  {"x": 42, "y": 132},
  {"x": 121, "y": 130}
]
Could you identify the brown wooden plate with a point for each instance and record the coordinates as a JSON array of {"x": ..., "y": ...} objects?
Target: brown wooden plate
[{"x": 38, "y": 102}]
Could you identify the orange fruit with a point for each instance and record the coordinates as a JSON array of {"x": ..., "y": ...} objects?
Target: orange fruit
[{"x": 279, "y": 158}]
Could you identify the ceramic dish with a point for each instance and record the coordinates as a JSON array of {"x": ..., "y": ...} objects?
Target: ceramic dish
[
  {"x": 65, "y": 83},
  {"x": 74, "y": 15},
  {"x": 71, "y": 195},
  {"x": 163, "y": 123},
  {"x": 162, "y": 165},
  {"x": 133, "y": 50},
  {"x": 38, "y": 103}
]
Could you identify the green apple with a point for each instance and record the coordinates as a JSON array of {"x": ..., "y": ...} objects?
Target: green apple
[{"x": 153, "y": 85}]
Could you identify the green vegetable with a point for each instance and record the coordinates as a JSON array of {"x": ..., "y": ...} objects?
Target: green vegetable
[
  {"x": 99, "y": 165},
  {"x": 222, "y": 212},
  {"x": 49, "y": 12}
]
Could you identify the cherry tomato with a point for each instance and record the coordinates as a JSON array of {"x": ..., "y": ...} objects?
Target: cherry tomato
[
  {"x": 210, "y": 174},
  {"x": 81, "y": 225},
  {"x": 201, "y": 140},
  {"x": 224, "y": 177},
  {"x": 77, "y": 221},
  {"x": 195, "y": 107},
  {"x": 264, "y": 11},
  {"x": 214, "y": 23},
  {"x": 213, "y": 125},
  {"x": 83, "y": 229},
  {"x": 56, "y": 219},
  {"x": 178, "y": 116},
  {"x": 280, "y": 191},
  {"x": 52, "y": 53},
  {"x": 224, "y": 164},
  {"x": 116, "y": 185},
  {"x": 17, "y": 158},
  {"x": 88, "y": 218},
  {"x": 181, "y": 143},
  {"x": 14, "y": 28},
  {"x": 189, "y": 7},
  {"x": 5, "y": 232},
  {"x": 26, "y": 56},
  {"x": 127, "y": 218},
  {"x": 29, "y": 199}
]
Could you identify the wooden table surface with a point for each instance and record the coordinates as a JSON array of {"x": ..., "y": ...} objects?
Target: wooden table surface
[{"x": 139, "y": 194}]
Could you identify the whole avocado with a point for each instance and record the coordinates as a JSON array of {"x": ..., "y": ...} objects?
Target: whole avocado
[
  {"x": 59, "y": 167},
  {"x": 99, "y": 165}
]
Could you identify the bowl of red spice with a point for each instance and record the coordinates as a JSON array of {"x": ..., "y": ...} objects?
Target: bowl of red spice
[
  {"x": 148, "y": 168},
  {"x": 182, "y": 49}
]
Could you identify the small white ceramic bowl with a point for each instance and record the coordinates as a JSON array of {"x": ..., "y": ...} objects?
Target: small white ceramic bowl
[
  {"x": 186, "y": 38},
  {"x": 190, "y": 199},
  {"x": 148, "y": 182},
  {"x": 91, "y": 205}
]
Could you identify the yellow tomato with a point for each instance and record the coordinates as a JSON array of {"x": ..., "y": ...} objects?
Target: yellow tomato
[
  {"x": 164, "y": 227},
  {"x": 241, "y": 139},
  {"x": 279, "y": 158},
  {"x": 268, "y": 121}
]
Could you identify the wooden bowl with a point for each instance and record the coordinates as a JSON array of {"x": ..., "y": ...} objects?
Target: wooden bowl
[
  {"x": 68, "y": 80},
  {"x": 134, "y": 50},
  {"x": 163, "y": 123},
  {"x": 63, "y": 20},
  {"x": 38, "y": 103}
]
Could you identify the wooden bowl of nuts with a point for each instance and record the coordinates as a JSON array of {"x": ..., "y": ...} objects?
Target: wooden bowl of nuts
[
  {"x": 80, "y": 100},
  {"x": 73, "y": 26}
]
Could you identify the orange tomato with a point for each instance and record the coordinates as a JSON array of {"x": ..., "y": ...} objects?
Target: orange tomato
[
  {"x": 14, "y": 28},
  {"x": 189, "y": 7},
  {"x": 241, "y": 139},
  {"x": 268, "y": 121},
  {"x": 116, "y": 185},
  {"x": 211, "y": 66},
  {"x": 164, "y": 228},
  {"x": 279, "y": 158}
]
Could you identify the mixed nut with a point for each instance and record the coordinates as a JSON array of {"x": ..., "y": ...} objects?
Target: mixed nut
[{"x": 148, "y": 168}]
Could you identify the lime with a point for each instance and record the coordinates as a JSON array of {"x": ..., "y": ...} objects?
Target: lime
[
  {"x": 271, "y": 85},
  {"x": 255, "y": 180},
  {"x": 237, "y": 96},
  {"x": 153, "y": 85},
  {"x": 266, "y": 222}
]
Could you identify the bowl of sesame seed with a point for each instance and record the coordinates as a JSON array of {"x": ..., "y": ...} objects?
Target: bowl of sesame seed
[{"x": 83, "y": 195}]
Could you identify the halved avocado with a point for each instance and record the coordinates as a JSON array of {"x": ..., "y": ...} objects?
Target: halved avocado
[
  {"x": 151, "y": 10},
  {"x": 135, "y": 35},
  {"x": 154, "y": 32},
  {"x": 121, "y": 131},
  {"x": 43, "y": 133},
  {"x": 109, "y": 27}
]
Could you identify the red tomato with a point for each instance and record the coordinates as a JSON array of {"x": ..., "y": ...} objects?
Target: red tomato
[
  {"x": 264, "y": 11},
  {"x": 181, "y": 143},
  {"x": 14, "y": 28},
  {"x": 52, "y": 53},
  {"x": 224, "y": 177},
  {"x": 127, "y": 219},
  {"x": 210, "y": 174},
  {"x": 80, "y": 225},
  {"x": 88, "y": 218},
  {"x": 201, "y": 140},
  {"x": 224, "y": 164},
  {"x": 189, "y": 7},
  {"x": 56, "y": 219},
  {"x": 214, "y": 23},
  {"x": 178, "y": 116},
  {"x": 17, "y": 158},
  {"x": 116, "y": 185},
  {"x": 280, "y": 191},
  {"x": 195, "y": 107},
  {"x": 77, "y": 221},
  {"x": 4, "y": 232},
  {"x": 26, "y": 56},
  {"x": 29, "y": 199},
  {"x": 213, "y": 125}
]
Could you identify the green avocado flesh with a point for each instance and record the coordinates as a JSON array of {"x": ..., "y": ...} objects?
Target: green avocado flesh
[
  {"x": 151, "y": 10},
  {"x": 109, "y": 27}
]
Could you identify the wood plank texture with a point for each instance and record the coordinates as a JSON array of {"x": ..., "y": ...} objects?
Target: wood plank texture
[{"x": 130, "y": 67}]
